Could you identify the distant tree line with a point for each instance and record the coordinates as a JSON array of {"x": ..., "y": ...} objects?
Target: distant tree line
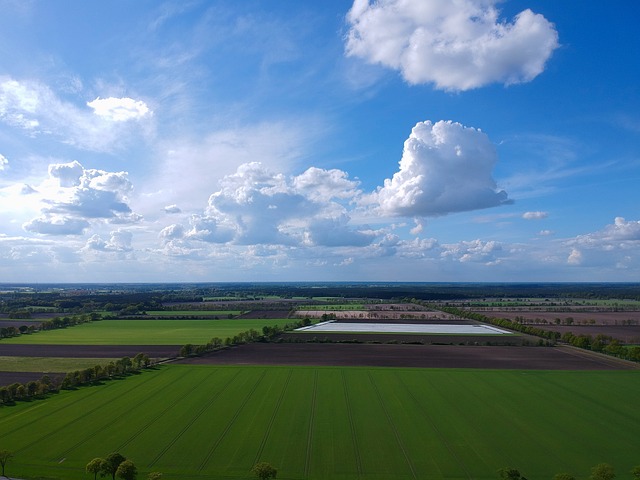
[
  {"x": 52, "y": 324},
  {"x": 269, "y": 333}
]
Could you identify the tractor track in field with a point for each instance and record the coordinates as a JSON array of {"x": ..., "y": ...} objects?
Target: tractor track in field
[
  {"x": 439, "y": 433},
  {"x": 231, "y": 422},
  {"x": 88, "y": 437},
  {"x": 352, "y": 426},
  {"x": 77, "y": 419},
  {"x": 314, "y": 396},
  {"x": 273, "y": 418},
  {"x": 159, "y": 415},
  {"x": 393, "y": 426},
  {"x": 193, "y": 420}
]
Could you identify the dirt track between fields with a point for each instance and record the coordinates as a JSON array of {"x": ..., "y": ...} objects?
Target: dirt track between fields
[{"x": 425, "y": 356}]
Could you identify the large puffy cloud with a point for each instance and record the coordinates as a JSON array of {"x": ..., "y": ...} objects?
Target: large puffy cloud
[
  {"x": 119, "y": 241},
  {"x": 255, "y": 206},
  {"x": 119, "y": 109},
  {"x": 74, "y": 196},
  {"x": 445, "y": 168},
  {"x": 33, "y": 107},
  {"x": 456, "y": 45}
]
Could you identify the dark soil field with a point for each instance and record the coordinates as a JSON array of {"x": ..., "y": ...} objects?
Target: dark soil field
[
  {"x": 270, "y": 314},
  {"x": 19, "y": 323},
  {"x": 410, "y": 338},
  {"x": 7, "y": 378},
  {"x": 426, "y": 356},
  {"x": 88, "y": 351},
  {"x": 598, "y": 318}
]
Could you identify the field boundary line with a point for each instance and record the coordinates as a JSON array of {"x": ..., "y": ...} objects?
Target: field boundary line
[
  {"x": 392, "y": 425},
  {"x": 193, "y": 420},
  {"x": 352, "y": 425},
  {"x": 232, "y": 421},
  {"x": 273, "y": 417},
  {"x": 434, "y": 426},
  {"x": 314, "y": 396}
]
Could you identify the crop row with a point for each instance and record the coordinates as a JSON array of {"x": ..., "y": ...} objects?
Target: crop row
[{"x": 195, "y": 422}]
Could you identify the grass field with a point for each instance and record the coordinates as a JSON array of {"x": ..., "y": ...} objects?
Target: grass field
[
  {"x": 49, "y": 364},
  {"x": 144, "y": 332},
  {"x": 201, "y": 422}
]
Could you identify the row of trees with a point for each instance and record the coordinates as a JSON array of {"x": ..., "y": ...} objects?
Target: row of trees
[
  {"x": 40, "y": 388},
  {"x": 269, "y": 333},
  {"x": 119, "y": 367},
  {"x": 52, "y": 324},
  {"x": 603, "y": 343},
  {"x": 601, "y": 471},
  {"x": 116, "y": 465},
  {"x": 9, "y": 394}
]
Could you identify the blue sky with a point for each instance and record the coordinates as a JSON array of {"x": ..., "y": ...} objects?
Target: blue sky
[{"x": 396, "y": 140}]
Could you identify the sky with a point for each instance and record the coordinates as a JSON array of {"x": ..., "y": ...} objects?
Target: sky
[{"x": 382, "y": 141}]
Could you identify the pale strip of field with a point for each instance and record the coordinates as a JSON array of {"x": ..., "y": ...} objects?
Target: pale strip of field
[{"x": 345, "y": 327}]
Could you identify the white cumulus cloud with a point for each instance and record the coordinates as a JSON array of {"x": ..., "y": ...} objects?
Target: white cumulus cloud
[
  {"x": 119, "y": 109},
  {"x": 455, "y": 45},
  {"x": 535, "y": 215},
  {"x": 73, "y": 196},
  {"x": 445, "y": 168},
  {"x": 3, "y": 162}
]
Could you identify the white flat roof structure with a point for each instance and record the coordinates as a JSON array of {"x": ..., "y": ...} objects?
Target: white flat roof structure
[{"x": 446, "y": 329}]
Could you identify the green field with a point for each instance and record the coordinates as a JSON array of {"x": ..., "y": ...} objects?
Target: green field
[
  {"x": 202, "y": 422},
  {"x": 144, "y": 332},
  {"x": 49, "y": 364}
]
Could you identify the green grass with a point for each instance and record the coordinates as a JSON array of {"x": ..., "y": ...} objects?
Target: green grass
[
  {"x": 200, "y": 422},
  {"x": 144, "y": 332},
  {"x": 49, "y": 364}
]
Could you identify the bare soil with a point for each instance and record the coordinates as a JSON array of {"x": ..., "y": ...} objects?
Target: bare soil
[
  {"x": 88, "y": 351},
  {"x": 7, "y": 378},
  {"x": 596, "y": 317},
  {"x": 410, "y": 338},
  {"x": 269, "y": 314},
  {"x": 425, "y": 356}
]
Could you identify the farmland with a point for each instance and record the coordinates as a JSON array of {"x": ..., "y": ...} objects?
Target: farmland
[
  {"x": 143, "y": 332},
  {"x": 400, "y": 389},
  {"x": 211, "y": 421}
]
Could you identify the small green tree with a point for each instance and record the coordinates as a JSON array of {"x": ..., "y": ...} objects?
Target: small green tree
[
  {"x": 111, "y": 464},
  {"x": 127, "y": 470},
  {"x": 602, "y": 471},
  {"x": 5, "y": 456},
  {"x": 96, "y": 466},
  {"x": 154, "y": 476},
  {"x": 635, "y": 471},
  {"x": 508, "y": 473},
  {"x": 264, "y": 471}
]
